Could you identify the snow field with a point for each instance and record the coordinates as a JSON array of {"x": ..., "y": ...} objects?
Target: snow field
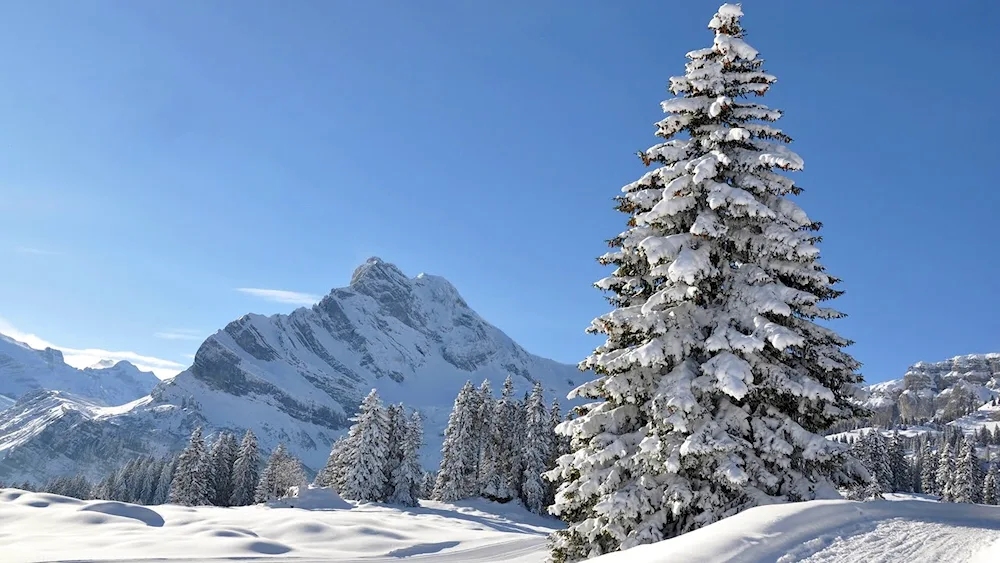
[{"x": 321, "y": 527}]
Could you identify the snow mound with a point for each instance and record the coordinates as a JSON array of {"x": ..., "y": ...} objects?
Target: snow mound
[
  {"x": 321, "y": 527},
  {"x": 313, "y": 498},
  {"x": 836, "y": 531}
]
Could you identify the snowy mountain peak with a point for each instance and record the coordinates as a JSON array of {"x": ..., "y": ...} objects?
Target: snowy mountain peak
[
  {"x": 297, "y": 377},
  {"x": 377, "y": 271},
  {"x": 102, "y": 364},
  {"x": 24, "y": 369},
  {"x": 52, "y": 356}
]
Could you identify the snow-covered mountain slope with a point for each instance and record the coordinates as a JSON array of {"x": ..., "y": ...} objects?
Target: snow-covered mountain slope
[
  {"x": 836, "y": 531},
  {"x": 297, "y": 378},
  {"x": 322, "y": 527},
  {"x": 24, "y": 369},
  {"x": 941, "y": 391},
  {"x": 50, "y": 433}
]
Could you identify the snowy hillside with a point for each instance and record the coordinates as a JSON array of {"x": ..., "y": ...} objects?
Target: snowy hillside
[
  {"x": 936, "y": 390},
  {"x": 296, "y": 378},
  {"x": 24, "y": 369},
  {"x": 327, "y": 529},
  {"x": 836, "y": 531}
]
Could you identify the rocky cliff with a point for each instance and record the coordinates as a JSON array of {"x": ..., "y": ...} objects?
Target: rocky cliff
[{"x": 941, "y": 391}]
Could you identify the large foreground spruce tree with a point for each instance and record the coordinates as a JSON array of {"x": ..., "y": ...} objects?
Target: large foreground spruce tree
[{"x": 716, "y": 381}]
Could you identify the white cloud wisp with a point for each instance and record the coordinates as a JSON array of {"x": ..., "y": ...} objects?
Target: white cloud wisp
[
  {"x": 281, "y": 295},
  {"x": 179, "y": 334},
  {"x": 87, "y": 357}
]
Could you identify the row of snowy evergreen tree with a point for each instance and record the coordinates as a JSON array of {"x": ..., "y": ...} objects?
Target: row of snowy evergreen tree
[
  {"x": 948, "y": 467},
  {"x": 227, "y": 474},
  {"x": 379, "y": 458},
  {"x": 230, "y": 475},
  {"x": 499, "y": 448}
]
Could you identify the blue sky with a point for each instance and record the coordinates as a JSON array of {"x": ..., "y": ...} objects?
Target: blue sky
[{"x": 159, "y": 155}]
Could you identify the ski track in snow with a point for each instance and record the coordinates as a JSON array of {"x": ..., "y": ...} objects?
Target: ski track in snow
[{"x": 899, "y": 541}]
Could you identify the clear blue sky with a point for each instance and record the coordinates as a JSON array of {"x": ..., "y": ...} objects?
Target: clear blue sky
[{"x": 157, "y": 155}]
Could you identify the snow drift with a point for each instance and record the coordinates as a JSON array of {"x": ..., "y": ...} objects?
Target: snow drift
[{"x": 836, "y": 531}]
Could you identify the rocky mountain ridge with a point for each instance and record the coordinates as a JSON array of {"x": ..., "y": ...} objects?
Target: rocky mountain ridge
[{"x": 939, "y": 391}]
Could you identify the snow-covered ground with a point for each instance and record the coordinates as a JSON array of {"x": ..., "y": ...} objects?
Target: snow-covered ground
[
  {"x": 318, "y": 527},
  {"x": 905, "y": 529},
  {"x": 322, "y": 527}
]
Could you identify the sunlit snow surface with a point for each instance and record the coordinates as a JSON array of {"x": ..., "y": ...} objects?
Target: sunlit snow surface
[
  {"x": 321, "y": 526},
  {"x": 43, "y": 527},
  {"x": 903, "y": 529}
]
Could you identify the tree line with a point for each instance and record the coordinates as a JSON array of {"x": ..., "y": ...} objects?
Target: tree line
[
  {"x": 227, "y": 474},
  {"x": 947, "y": 466}
]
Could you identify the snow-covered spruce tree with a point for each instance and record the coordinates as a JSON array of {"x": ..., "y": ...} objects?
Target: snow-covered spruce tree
[
  {"x": 151, "y": 481},
  {"x": 407, "y": 475},
  {"x": 915, "y": 469},
  {"x": 162, "y": 494},
  {"x": 456, "y": 478},
  {"x": 139, "y": 479},
  {"x": 945, "y": 472},
  {"x": 332, "y": 474},
  {"x": 520, "y": 430},
  {"x": 105, "y": 488},
  {"x": 537, "y": 450},
  {"x": 223, "y": 458},
  {"x": 125, "y": 475},
  {"x": 427, "y": 486},
  {"x": 191, "y": 478},
  {"x": 555, "y": 418},
  {"x": 899, "y": 464},
  {"x": 76, "y": 487},
  {"x": 246, "y": 471},
  {"x": 559, "y": 445},
  {"x": 716, "y": 380},
  {"x": 991, "y": 495},
  {"x": 879, "y": 462},
  {"x": 281, "y": 473},
  {"x": 968, "y": 483},
  {"x": 928, "y": 473},
  {"x": 396, "y": 433},
  {"x": 484, "y": 431},
  {"x": 983, "y": 436},
  {"x": 506, "y": 441},
  {"x": 368, "y": 439}
]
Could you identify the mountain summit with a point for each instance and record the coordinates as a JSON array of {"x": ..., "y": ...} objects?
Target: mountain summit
[{"x": 297, "y": 378}]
